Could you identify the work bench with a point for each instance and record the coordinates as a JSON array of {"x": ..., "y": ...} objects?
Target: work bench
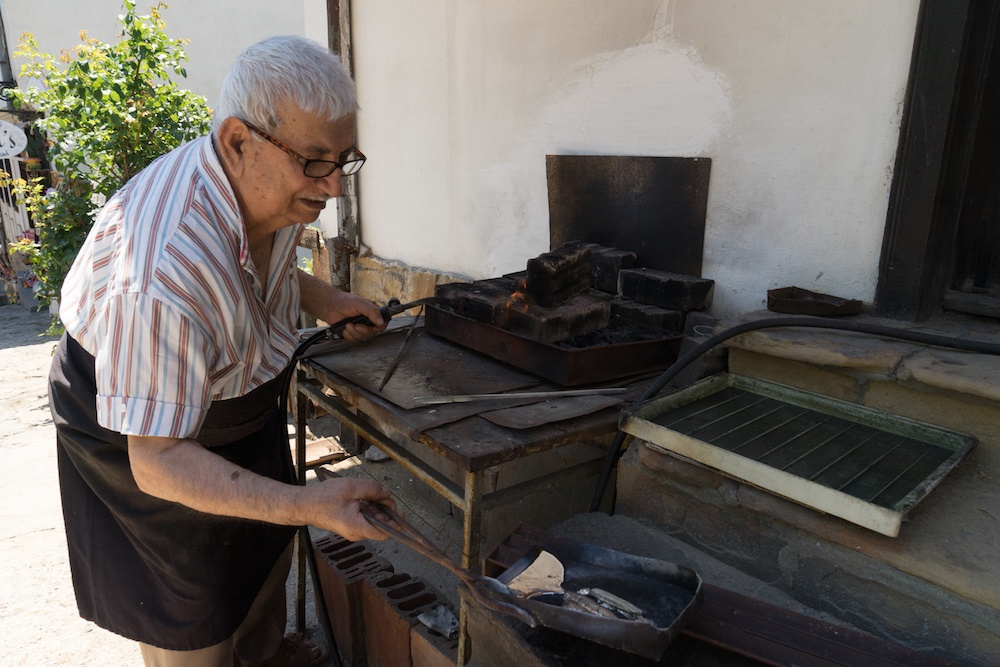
[{"x": 451, "y": 446}]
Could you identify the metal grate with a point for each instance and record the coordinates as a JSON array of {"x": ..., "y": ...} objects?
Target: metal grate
[
  {"x": 876, "y": 466},
  {"x": 859, "y": 464}
]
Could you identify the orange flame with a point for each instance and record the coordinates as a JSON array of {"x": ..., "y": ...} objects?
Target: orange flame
[{"x": 519, "y": 299}]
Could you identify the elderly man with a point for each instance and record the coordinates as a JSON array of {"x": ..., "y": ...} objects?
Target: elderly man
[{"x": 180, "y": 316}]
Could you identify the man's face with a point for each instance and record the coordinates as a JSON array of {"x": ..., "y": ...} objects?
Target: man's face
[{"x": 275, "y": 191}]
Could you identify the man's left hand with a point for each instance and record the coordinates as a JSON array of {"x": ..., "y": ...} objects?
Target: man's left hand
[
  {"x": 349, "y": 305},
  {"x": 325, "y": 302}
]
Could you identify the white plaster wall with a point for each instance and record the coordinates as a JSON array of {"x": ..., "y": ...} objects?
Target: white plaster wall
[{"x": 797, "y": 102}]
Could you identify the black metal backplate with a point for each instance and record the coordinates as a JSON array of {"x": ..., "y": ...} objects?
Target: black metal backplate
[{"x": 652, "y": 206}]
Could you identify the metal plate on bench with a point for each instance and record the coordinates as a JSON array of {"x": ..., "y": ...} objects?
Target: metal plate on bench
[{"x": 859, "y": 464}]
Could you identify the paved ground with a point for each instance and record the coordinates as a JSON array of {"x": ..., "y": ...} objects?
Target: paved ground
[{"x": 39, "y": 624}]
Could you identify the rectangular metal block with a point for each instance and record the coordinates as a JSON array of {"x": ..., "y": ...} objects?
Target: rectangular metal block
[
  {"x": 629, "y": 312},
  {"x": 482, "y": 300},
  {"x": 558, "y": 275},
  {"x": 581, "y": 314},
  {"x": 605, "y": 264},
  {"x": 564, "y": 366},
  {"x": 665, "y": 289}
]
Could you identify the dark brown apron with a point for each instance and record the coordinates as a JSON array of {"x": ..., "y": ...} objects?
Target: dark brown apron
[{"x": 148, "y": 569}]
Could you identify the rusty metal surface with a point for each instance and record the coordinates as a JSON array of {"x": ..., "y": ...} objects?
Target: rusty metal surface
[
  {"x": 432, "y": 368},
  {"x": 455, "y": 431},
  {"x": 566, "y": 367},
  {"x": 547, "y": 412}
]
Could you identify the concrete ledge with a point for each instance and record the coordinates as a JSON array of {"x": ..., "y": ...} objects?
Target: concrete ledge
[
  {"x": 935, "y": 588},
  {"x": 953, "y": 389}
]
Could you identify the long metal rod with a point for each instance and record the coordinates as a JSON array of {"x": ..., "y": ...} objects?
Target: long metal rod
[
  {"x": 304, "y": 553},
  {"x": 399, "y": 355},
  {"x": 468, "y": 398},
  {"x": 300, "y": 473}
]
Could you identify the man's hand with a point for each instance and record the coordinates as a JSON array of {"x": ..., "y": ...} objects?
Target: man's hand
[
  {"x": 337, "y": 505},
  {"x": 327, "y": 303}
]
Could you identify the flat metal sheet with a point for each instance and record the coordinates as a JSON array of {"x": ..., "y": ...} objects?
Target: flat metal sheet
[
  {"x": 428, "y": 367},
  {"x": 547, "y": 412},
  {"x": 653, "y": 206},
  {"x": 866, "y": 466}
]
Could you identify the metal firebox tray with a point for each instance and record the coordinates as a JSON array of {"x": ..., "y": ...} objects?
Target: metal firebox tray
[
  {"x": 859, "y": 464},
  {"x": 567, "y": 367}
]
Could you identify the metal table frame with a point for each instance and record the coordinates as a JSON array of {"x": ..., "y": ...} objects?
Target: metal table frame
[{"x": 349, "y": 405}]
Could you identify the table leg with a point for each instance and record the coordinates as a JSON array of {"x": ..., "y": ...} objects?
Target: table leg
[{"x": 471, "y": 535}]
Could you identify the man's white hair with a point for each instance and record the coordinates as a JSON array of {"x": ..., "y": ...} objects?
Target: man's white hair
[{"x": 285, "y": 69}]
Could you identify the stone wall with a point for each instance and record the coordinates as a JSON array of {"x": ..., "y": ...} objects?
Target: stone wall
[{"x": 381, "y": 279}]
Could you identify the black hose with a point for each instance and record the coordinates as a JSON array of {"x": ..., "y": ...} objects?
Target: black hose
[
  {"x": 302, "y": 535},
  {"x": 783, "y": 321}
]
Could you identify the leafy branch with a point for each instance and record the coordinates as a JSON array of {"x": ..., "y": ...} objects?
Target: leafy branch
[{"x": 109, "y": 110}]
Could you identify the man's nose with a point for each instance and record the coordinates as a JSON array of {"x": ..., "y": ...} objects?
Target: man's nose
[{"x": 333, "y": 185}]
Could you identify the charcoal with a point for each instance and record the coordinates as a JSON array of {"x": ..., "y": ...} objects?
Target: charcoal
[
  {"x": 605, "y": 263},
  {"x": 615, "y": 334},
  {"x": 579, "y": 315},
  {"x": 520, "y": 277},
  {"x": 665, "y": 289},
  {"x": 556, "y": 276},
  {"x": 628, "y": 312},
  {"x": 482, "y": 300}
]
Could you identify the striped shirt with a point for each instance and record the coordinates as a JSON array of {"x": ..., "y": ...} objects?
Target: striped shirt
[{"x": 165, "y": 296}]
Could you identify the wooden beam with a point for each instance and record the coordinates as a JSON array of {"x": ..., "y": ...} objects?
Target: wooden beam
[{"x": 348, "y": 226}]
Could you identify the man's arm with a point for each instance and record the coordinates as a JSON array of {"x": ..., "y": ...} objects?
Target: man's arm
[
  {"x": 184, "y": 472},
  {"x": 326, "y": 302}
]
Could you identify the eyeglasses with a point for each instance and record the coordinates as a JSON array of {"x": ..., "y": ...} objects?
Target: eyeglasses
[{"x": 354, "y": 159}]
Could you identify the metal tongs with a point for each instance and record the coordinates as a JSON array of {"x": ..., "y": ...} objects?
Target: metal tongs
[{"x": 487, "y": 591}]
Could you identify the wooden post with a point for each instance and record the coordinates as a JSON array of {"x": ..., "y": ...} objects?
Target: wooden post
[{"x": 348, "y": 240}]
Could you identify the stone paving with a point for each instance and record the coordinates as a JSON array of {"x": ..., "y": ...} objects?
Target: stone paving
[{"x": 39, "y": 624}]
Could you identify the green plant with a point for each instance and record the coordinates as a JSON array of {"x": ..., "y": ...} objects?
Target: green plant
[
  {"x": 62, "y": 219},
  {"x": 110, "y": 110}
]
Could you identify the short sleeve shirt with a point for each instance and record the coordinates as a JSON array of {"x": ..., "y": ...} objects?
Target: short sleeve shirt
[{"x": 165, "y": 296}]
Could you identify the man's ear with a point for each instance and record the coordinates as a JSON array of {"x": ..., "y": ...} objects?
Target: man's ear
[{"x": 233, "y": 141}]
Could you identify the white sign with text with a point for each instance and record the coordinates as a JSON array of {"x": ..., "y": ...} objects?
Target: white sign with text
[{"x": 13, "y": 140}]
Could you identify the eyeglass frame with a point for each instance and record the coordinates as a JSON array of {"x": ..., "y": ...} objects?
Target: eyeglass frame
[{"x": 305, "y": 162}]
